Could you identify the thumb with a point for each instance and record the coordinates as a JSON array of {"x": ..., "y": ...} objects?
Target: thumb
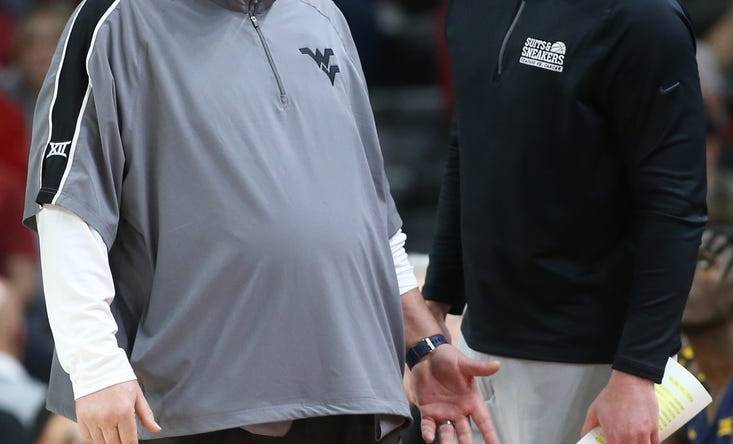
[
  {"x": 591, "y": 422},
  {"x": 479, "y": 368},
  {"x": 143, "y": 411}
]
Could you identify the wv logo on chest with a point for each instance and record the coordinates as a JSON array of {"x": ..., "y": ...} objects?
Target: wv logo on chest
[{"x": 323, "y": 60}]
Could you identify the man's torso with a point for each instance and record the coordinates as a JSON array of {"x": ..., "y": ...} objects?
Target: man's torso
[{"x": 252, "y": 267}]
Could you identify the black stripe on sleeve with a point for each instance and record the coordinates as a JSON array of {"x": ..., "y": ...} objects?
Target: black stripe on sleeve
[{"x": 70, "y": 91}]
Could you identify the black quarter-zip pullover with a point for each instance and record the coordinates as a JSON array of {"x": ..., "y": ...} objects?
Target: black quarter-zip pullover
[{"x": 574, "y": 196}]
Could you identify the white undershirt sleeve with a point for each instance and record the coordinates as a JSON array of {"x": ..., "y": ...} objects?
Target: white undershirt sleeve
[
  {"x": 79, "y": 289},
  {"x": 405, "y": 272}
]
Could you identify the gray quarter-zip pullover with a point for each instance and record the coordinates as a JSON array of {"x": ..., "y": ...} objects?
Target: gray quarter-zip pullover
[{"x": 227, "y": 154}]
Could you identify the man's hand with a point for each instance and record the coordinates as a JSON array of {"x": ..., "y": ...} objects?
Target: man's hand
[
  {"x": 626, "y": 410},
  {"x": 443, "y": 383},
  {"x": 108, "y": 416},
  {"x": 445, "y": 390}
]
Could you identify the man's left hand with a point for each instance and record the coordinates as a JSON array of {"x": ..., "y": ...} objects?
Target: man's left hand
[
  {"x": 447, "y": 395},
  {"x": 626, "y": 410}
]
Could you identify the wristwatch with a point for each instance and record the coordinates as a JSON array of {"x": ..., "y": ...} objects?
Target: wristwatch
[{"x": 424, "y": 348}]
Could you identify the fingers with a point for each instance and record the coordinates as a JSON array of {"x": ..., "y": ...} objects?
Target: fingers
[
  {"x": 97, "y": 436},
  {"x": 655, "y": 437},
  {"x": 463, "y": 430},
  {"x": 427, "y": 427},
  {"x": 447, "y": 433},
  {"x": 647, "y": 438},
  {"x": 591, "y": 422},
  {"x": 111, "y": 435},
  {"x": 108, "y": 415},
  {"x": 479, "y": 368},
  {"x": 143, "y": 411},
  {"x": 485, "y": 425},
  {"x": 128, "y": 431},
  {"x": 627, "y": 437},
  {"x": 84, "y": 431}
]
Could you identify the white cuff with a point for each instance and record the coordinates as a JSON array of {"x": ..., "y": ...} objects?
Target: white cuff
[{"x": 96, "y": 373}]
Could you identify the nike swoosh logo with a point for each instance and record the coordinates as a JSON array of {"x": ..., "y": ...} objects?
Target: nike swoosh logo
[{"x": 664, "y": 91}]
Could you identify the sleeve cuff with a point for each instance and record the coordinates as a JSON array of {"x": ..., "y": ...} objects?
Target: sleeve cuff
[
  {"x": 88, "y": 215},
  {"x": 644, "y": 370},
  {"x": 114, "y": 370},
  {"x": 430, "y": 293}
]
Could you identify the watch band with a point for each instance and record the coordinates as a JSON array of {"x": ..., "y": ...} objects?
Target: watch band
[{"x": 424, "y": 348}]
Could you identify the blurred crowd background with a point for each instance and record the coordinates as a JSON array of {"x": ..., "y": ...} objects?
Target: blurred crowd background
[{"x": 405, "y": 57}]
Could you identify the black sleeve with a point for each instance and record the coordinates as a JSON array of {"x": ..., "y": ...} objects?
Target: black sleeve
[
  {"x": 653, "y": 95},
  {"x": 444, "y": 280}
]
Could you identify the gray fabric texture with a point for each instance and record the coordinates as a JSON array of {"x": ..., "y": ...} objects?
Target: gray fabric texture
[
  {"x": 248, "y": 235},
  {"x": 536, "y": 401}
]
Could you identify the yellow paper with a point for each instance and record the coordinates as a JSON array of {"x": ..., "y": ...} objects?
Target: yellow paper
[{"x": 681, "y": 397}]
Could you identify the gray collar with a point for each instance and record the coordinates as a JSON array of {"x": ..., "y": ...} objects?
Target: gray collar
[{"x": 258, "y": 7}]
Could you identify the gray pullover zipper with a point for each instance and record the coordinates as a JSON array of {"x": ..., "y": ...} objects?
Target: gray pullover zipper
[{"x": 268, "y": 53}]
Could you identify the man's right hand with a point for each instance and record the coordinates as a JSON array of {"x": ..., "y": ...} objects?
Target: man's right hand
[{"x": 108, "y": 416}]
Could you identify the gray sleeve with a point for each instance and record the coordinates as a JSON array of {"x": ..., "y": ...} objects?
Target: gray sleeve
[
  {"x": 364, "y": 117},
  {"x": 76, "y": 156}
]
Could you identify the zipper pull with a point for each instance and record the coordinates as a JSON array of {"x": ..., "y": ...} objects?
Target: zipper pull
[{"x": 254, "y": 21}]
